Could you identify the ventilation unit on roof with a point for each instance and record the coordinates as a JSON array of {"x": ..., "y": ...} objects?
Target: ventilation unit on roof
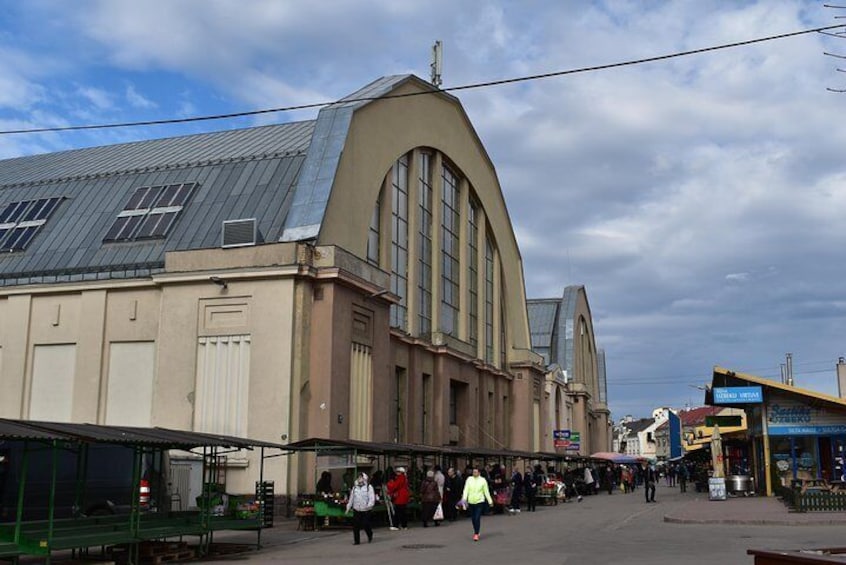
[{"x": 239, "y": 233}]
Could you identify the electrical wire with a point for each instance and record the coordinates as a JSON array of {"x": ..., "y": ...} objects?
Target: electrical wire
[
  {"x": 486, "y": 84},
  {"x": 672, "y": 381}
]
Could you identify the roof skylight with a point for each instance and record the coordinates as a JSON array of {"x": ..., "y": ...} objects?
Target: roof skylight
[
  {"x": 20, "y": 221},
  {"x": 150, "y": 212}
]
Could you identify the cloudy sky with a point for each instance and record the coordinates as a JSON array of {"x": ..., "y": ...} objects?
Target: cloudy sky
[{"x": 699, "y": 199}]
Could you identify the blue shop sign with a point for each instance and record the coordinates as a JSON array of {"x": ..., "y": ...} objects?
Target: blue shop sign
[{"x": 738, "y": 395}]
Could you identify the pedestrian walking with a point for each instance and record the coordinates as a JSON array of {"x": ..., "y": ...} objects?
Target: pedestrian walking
[
  {"x": 453, "y": 487},
  {"x": 516, "y": 490},
  {"x": 588, "y": 482},
  {"x": 476, "y": 495},
  {"x": 400, "y": 497},
  {"x": 440, "y": 479},
  {"x": 650, "y": 478},
  {"x": 362, "y": 499},
  {"x": 430, "y": 498},
  {"x": 684, "y": 474},
  {"x": 530, "y": 488},
  {"x": 609, "y": 478}
]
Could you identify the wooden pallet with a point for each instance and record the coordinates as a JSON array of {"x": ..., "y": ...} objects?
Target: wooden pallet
[
  {"x": 182, "y": 555},
  {"x": 157, "y": 552},
  {"x": 221, "y": 549},
  {"x": 153, "y": 548}
]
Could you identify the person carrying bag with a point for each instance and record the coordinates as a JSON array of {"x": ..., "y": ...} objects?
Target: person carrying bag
[{"x": 361, "y": 502}]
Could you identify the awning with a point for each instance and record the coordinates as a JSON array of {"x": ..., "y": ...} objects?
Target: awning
[
  {"x": 619, "y": 458},
  {"x": 363, "y": 447},
  {"x": 124, "y": 435},
  {"x": 390, "y": 448}
]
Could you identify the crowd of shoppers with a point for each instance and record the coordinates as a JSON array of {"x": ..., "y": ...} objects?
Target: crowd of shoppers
[{"x": 482, "y": 490}]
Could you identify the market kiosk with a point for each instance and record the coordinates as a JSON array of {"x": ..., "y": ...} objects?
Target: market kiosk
[{"x": 797, "y": 437}]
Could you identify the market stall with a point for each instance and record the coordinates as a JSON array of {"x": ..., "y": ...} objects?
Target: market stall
[
  {"x": 43, "y": 535},
  {"x": 341, "y": 461}
]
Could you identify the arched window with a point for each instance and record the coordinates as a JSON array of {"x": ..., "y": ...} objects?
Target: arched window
[
  {"x": 473, "y": 273},
  {"x": 373, "y": 235},
  {"x": 424, "y": 250},
  {"x": 430, "y": 214},
  {"x": 399, "y": 242},
  {"x": 489, "y": 300},
  {"x": 450, "y": 253}
]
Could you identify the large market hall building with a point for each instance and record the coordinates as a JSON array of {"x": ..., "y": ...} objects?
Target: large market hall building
[
  {"x": 353, "y": 276},
  {"x": 575, "y": 396}
]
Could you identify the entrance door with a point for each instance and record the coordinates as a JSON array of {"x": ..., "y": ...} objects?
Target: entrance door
[
  {"x": 186, "y": 483},
  {"x": 826, "y": 459}
]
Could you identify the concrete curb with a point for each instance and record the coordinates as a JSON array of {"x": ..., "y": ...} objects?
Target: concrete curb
[{"x": 755, "y": 522}]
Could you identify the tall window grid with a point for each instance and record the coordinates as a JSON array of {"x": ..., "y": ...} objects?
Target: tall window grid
[
  {"x": 373, "y": 234},
  {"x": 424, "y": 281},
  {"x": 399, "y": 242},
  {"x": 489, "y": 300},
  {"x": 473, "y": 273},
  {"x": 450, "y": 299},
  {"x": 502, "y": 342}
]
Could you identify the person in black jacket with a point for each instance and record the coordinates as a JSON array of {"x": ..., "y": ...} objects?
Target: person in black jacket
[
  {"x": 453, "y": 488},
  {"x": 516, "y": 490},
  {"x": 650, "y": 479},
  {"x": 530, "y": 488}
]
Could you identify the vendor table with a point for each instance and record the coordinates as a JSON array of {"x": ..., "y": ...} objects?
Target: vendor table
[{"x": 547, "y": 499}]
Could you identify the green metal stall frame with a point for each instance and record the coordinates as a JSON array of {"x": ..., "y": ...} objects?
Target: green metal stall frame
[{"x": 43, "y": 537}]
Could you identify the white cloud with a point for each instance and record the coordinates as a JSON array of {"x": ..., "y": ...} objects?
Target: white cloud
[
  {"x": 699, "y": 199},
  {"x": 137, "y": 100},
  {"x": 100, "y": 99}
]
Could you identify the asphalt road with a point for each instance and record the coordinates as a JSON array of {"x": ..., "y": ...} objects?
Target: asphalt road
[{"x": 600, "y": 530}]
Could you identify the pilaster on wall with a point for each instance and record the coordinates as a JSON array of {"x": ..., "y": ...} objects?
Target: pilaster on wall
[
  {"x": 89, "y": 357},
  {"x": 521, "y": 407},
  {"x": 14, "y": 338}
]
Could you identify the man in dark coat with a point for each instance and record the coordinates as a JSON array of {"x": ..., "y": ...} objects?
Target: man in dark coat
[
  {"x": 453, "y": 487},
  {"x": 516, "y": 490},
  {"x": 650, "y": 479},
  {"x": 530, "y": 488}
]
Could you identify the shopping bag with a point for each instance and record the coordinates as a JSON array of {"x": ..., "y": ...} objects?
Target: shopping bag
[
  {"x": 503, "y": 498},
  {"x": 439, "y": 513}
]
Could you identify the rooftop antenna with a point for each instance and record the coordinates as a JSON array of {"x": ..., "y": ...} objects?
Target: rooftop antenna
[
  {"x": 789, "y": 369},
  {"x": 437, "y": 63}
]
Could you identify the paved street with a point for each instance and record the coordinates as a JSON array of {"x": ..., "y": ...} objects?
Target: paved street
[{"x": 602, "y": 529}]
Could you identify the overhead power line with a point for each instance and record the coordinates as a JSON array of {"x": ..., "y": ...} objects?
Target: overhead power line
[
  {"x": 680, "y": 381},
  {"x": 486, "y": 84}
]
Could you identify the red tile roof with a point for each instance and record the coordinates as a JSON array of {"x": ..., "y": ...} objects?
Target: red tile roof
[{"x": 696, "y": 416}]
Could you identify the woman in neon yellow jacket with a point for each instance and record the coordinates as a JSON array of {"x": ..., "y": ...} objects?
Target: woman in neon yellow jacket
[{"x": 476, "y": 494}]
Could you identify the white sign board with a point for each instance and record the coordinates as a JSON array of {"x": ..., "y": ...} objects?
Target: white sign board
[{"x": 717, "y": 488}]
